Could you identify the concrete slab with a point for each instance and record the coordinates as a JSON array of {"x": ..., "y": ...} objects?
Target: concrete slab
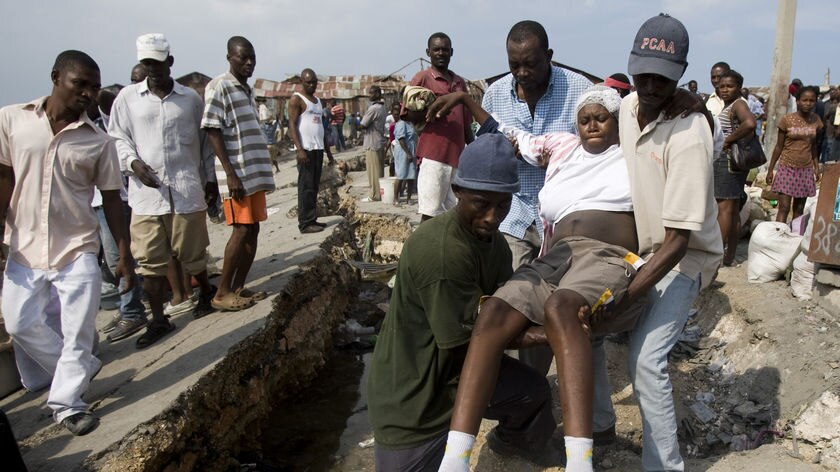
[
  {"x": 829, "y": 276},
  {"x": 151, "y": 401}
]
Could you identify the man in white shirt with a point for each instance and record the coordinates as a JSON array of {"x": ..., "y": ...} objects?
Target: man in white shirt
[
  {"x": 51, "y": 157},
  {"x": 714, "y": 103},
  {"x": 307, "y": 131},
  {"x": 165, "y": 153}
]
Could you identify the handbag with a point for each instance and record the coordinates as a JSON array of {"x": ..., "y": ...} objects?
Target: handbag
[{"x": 746, "y": 153}]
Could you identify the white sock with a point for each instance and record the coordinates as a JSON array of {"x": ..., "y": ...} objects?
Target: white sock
[
  {"x": 458, "y": 449},
  {"x": 578, "y": 454}
]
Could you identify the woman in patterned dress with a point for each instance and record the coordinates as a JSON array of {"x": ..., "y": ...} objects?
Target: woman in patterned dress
[{"x": 797, "y": 156}]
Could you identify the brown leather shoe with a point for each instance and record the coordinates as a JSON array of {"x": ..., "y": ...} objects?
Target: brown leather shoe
[{"x": 311, "y": 229}]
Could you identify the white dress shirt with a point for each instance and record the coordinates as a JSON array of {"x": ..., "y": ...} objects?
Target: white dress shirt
[{"x": 166, "y": 135}]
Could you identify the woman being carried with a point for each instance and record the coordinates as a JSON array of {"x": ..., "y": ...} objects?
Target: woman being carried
[{"x": 576, "y": 288}]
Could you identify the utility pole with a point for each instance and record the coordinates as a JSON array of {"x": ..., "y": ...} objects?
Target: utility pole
[{"x": 780, "y": 77}]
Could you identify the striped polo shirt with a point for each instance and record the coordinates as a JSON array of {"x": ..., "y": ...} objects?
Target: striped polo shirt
[{"x": 230, "y": 107}]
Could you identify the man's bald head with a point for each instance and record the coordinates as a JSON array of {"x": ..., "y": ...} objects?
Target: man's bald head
[
  {"x": 238, "y": 41},
  {"x": 72, "y": 59},
  {"x": 138, "y": 73},
  {"x": 527, "y": 29},
  {"x": 309, "y": 81}
]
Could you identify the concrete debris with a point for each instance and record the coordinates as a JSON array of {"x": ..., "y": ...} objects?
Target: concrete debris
[
  {"x": 821, "y": 421},
  {"x": 830, "y": 456},
  {"x": 740, "y": 443},
  {"x": 702, "y": 412},
  {"x": 725, "y": 413},
  {"x": 691, "y": 334},
  {"x": 705, "y": 397}
]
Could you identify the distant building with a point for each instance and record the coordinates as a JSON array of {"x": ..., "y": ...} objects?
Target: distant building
[
  {"x": 113, "y": 88},
  {"x": 196, "y": 81}
]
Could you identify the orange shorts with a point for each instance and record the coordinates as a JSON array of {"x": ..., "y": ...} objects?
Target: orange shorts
[{"x": 249, "y": 210}]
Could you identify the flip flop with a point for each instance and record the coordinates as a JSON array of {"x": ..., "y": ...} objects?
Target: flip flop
[
  {"x": 232, "y": 302},
  {"x": 248, "y": 293}
]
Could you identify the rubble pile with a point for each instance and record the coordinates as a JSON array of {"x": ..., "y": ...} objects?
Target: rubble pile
[{"x": 728, "y": 411}]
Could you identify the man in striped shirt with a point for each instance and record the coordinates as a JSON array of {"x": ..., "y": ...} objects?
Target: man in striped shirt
[{"x": 243, "y": 171}]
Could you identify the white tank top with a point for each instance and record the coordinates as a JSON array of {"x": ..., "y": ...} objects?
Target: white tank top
[{"x": 310, "y": 126}]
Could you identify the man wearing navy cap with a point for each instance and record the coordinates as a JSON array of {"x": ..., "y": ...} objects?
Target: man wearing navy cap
[
  {"x": 676, "y": 222},
  {"x": 446, "y": 267}
]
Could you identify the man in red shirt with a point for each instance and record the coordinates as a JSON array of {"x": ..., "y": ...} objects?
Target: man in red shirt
[{"x": 442, "y": 140}]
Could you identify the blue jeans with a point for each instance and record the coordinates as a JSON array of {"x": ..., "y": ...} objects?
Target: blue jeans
[
  {"x": 656, "y": 333},
  {"x": 131, "y": 306},
  {"x": 339, "y": 137}
]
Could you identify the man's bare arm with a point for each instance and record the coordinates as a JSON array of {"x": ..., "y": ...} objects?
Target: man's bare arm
[
  {"x": 673, "y": 248},
  {"x": 445, "y": 103},
  {"x": 234, "y": 184},
  {"x": 112, "y": 205},
  {"x": 295, "y": 111}
]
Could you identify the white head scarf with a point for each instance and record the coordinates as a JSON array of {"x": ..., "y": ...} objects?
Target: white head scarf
[{"x": 601, "y": 95}]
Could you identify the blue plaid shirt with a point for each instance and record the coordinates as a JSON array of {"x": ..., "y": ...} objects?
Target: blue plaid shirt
[{"x": 555, "y": 112}]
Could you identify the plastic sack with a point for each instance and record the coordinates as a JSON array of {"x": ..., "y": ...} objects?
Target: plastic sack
[
  {"x": 746, "y": 213},
  {"x": 802, "y": 277},
  {"x": 810, "y": 207},
  {"x": 771, "y": 250}
]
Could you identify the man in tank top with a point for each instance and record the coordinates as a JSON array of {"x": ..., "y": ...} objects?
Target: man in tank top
[{"x": 307, "y": 130}]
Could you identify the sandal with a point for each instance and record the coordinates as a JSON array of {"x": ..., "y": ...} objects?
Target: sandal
[
  {"x": 248, "y": 293},
  {"x": 232, "y": 302}
]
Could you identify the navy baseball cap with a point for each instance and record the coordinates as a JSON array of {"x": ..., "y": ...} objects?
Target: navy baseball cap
[
  {"x": 660, "y": 47},
  {"x": 488, "y": 164}
]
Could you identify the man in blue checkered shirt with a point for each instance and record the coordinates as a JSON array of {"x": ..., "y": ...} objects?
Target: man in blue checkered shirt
[{"x": 539, "y": 98}]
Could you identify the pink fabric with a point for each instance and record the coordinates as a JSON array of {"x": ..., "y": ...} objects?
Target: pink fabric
[{"x": 558, "y": 146}]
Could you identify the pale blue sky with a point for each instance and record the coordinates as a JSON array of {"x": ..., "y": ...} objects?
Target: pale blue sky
[{"x": 378, "y": 37}]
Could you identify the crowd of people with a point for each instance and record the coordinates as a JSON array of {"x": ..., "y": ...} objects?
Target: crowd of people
[
  {"x": 575, "y": 211},
  {"x": 135, "y": 173}
]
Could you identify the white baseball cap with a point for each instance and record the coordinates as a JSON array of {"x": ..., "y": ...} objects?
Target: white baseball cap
[{"x": 152, "y": 46}]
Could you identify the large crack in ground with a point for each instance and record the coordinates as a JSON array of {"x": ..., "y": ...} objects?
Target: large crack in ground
[{"x": 207, "y": 426}]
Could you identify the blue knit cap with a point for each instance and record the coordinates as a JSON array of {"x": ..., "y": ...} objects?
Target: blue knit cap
[{"x": 489, "y": 164}]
